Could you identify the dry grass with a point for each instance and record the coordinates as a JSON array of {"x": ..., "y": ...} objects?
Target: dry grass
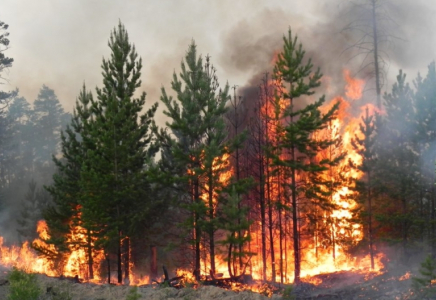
[{"x": 65, "y": 289}]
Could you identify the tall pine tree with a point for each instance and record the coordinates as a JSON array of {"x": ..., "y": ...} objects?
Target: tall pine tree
[
  {"x": 363, "y": 144},
  {"x": 63, "y": 216},
  {"x": 199, "y": 150},
  {"x": 300, "y": 122},
  {"x": 119, "y": 151}
]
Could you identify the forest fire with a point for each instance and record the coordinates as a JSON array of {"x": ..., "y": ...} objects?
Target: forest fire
[{"x": 320, "y": 254}]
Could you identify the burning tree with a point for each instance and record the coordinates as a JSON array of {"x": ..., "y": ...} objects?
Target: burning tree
[
  {"x": 363, "y": 144},
  {"x": 297, "y": 148},
  {"x": 64, "y": 216},
  {"x": 197, "y": 145},
  {"x": 102, "y": 191},
  {"x": 200, "y": 148}
]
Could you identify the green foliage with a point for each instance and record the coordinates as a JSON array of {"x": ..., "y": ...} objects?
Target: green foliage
[
  {"x": 236, "y": 224},
  {"x": 103, "y": 179},
  {"x": 116, "y": 192},
  {"x": 5, "y": 62},
  {"x": 32, "y": 206},
  {"x": 196, "y": 153},
  {"x": 48, "y": 118},
  {"x": 297, "y": 134},
  {"x": 287, "y": 293},
  {"x": 425, "y": 285},
  {"x": 23, "y": 286},
  {"x": 133, "y": 294}
]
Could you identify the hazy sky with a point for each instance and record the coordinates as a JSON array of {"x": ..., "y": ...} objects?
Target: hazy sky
[{"x": 61, "y": 43}]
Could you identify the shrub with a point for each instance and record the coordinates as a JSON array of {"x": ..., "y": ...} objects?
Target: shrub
[
  {"x": 23, "y": 286},
  {"x": 133, "y": 294},
  {"x": 425, "y": 286}
]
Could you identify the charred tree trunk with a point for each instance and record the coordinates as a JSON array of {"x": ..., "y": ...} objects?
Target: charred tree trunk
[
  {"x": 296, "y": 237},
  {"x": 211, "y": 226},
  {"x": 153, "y": 262},
  {"x": 119, "y": 260},
  {"x": 197, "y": 230},
  {"x": 263, "y": 225},
  {"x": 229, "y": 261},
  {"x": 271, "y": 236},
  {"x": 108, "y": 261},
  {"x": 268, "y": 178},
  {"x": 281, "y": 245},
  {"x": 371, "y": 249},
  {"x": 90, "y": 258},
  {"x": 263, "y": 229},
  {"x": 126, "y": 258}
]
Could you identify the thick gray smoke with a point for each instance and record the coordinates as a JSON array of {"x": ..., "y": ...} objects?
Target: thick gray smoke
[{"x": 407, "y": 41}]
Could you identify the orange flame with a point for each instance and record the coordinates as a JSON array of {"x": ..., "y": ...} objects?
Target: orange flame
[{"x": 354, "y": 87}]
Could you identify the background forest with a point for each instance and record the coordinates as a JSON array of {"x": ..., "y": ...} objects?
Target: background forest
[{"x": 273, "y": 179}]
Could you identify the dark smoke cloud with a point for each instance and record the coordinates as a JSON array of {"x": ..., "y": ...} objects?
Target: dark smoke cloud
[{"x": 250, "y": 44}]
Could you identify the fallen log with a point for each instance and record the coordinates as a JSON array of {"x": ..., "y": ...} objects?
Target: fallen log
[{"x": 172, "y": 282}]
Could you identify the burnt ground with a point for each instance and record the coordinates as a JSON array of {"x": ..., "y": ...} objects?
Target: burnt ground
[{"x": 346, "y": 285}]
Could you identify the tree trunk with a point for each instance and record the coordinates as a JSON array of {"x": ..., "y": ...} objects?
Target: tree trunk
[
  {"x": 211, "y": 226},
  {"x": 197, "y": 230},
  {"x": 371, "y": 250},
  {"x": 296, "y": 236},
  {"x": 90, "y": 258},
  {"x": 119, "y": 260},
  {"x": 127, "y": 258},
  {"x": 271, "y": 235},
  {"x": 229, "y": 258},
  {"x": 108, "y": 268},
  {"x": 153, "y": 262}
]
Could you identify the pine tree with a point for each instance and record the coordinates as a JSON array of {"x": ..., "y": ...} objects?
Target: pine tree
[
  {"x": 198, "y": 150},
  {"x": 5, "y": 97},
  {"x": 363, "y": 144},
  {"x": 424, "y": 286},
  {"x": 235, "y": 240},
  {"x": 63, "y": 216},
  {"x": 324, "y": 192},
  {"x": 398, "y": 162},
  {"x": 425, "y": 137},
  {"x": 257, "y": 144},
  {"x": 5, "y": 63},
  {"x": 119, "y": 150},
  {"x": 32, "y": 207},
  {"x": 48, "y": 119},
  {"x": 237, "y": 125},
  {"x": 297, "y": 130},
  {"x": 20, "y": 115}
]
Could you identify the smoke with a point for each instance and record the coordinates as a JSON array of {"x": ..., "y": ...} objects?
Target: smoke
[
  {"x": 406, "y": 42},
  {"x": 63, "y": 44}
]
